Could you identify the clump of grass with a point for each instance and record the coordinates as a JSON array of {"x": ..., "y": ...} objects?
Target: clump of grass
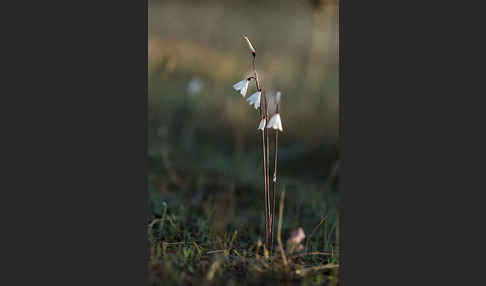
[{"x": 224, "y": 259}]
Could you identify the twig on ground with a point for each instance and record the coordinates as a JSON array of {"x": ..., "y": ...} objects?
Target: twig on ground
[{"x": 310, "y": 270}]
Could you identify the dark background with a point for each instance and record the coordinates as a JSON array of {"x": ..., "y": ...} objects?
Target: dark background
[
  {"x": 74, "y": 191},
  {"x": 204, "y": 151}
]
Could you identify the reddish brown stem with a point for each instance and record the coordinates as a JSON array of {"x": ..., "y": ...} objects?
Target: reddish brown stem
[
  {"x": 264, "y": 115},
  {"x": 265, "y": 179},
  {"x": 270, "y": 225},
  {"x": 275, "y": 178},
  {"x": 255, "y": 74},
  {"x": 266, "y": 171}
]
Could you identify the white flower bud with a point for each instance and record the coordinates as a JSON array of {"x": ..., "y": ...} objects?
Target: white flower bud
[
  {"x": 277, "y": 96},
  {"x": 249, "y": 45}
]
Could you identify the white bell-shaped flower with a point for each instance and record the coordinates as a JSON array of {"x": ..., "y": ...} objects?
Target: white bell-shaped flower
[
  {"x": 242, "y": 86},
  {"x": 275, "y": 122},
  {"x": 254, "y": 99},
  {"x": 262, "y": 124}
]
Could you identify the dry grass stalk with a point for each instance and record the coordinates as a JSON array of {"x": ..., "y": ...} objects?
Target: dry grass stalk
[
  {"x": 279, "y": 231},
  {"x": 311, "y": 270}
]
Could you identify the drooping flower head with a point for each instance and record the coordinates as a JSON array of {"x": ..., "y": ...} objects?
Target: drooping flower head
[
  {"x": 254, "y": 99},
  {"x": 242, "y": 86},
  {"x": 262, "y": 124},
  {"x": 275, "y": 122}
]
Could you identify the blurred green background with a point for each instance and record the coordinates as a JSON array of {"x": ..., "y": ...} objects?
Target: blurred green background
[{"x": 204, "y": 152}]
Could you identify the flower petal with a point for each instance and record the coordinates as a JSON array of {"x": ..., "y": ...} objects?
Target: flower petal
[
  {"x": 279, "y": 123},
  {"x": 239, "y": 85},
  {"x": 254, "y": 99},
  {"x": 244, "y": 88},
  {"x": 262, "y": 124},
  {"x": 271, "y": 122},
  {"x": 275, "y": 122}
]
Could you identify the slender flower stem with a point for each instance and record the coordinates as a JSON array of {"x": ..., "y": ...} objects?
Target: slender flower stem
[
  {"x": 264, "y": 115},
  {"x": 256, "y": 74},
  {"x": 265, "y": 178},
  {"x": 270, "y": 225},
  {"x": 269, "y": 214},
  {"x": 275, "y": 170},
  {"x": 275, "y": 178}
]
